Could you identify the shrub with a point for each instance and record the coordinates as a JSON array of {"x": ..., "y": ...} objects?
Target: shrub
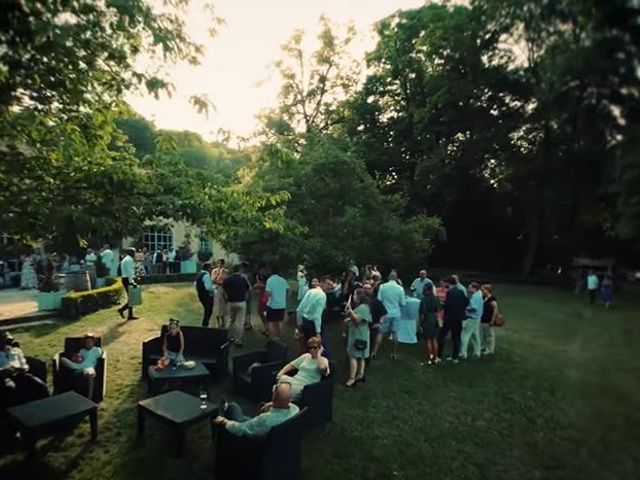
[
  {"x": 167, "y": 278},
  {"x": 75, "y": 304}
]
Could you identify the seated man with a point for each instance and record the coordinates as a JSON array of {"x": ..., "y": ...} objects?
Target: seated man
[
  {"x": 18, "y": 385},
  {"x": 85, "y": 361},
  {"x": 270, "y": 414}
]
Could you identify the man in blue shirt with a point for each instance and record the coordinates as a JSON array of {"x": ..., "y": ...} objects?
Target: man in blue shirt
[
  {"x": 127, "y": 273},
  {"x": 392, "y": 296},
  {"x": 276, "y": 288},
  {"x": 419, "y": 284},
  {"x": 471, "y": 326},
  {"x": 279, "y": 410},
  {"x": 204, "y": 288}
]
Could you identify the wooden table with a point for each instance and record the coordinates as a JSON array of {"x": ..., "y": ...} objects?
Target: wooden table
[
  {"x": 171, "y": 378},
  {"x": 177, "y": 409},
  {"x": 51, "y": 416}
]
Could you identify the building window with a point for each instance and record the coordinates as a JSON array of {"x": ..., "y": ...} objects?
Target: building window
[
  {"x": 154, "y": 239},
  {"x": 205, "y": 244}
]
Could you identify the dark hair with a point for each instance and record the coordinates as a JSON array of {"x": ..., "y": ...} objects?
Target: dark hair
[
  {"x": 449, "y": 281},
  {"x": 362, "y": 297},
  {"x": 130, "y": 251},
  {"x": 206, "y": 266},
  {"x": 221, "y": 260},
  {"x": 475, "y": 285},
  {"x": 324, "y": 278},
  {"x": 236, "y": 268}
]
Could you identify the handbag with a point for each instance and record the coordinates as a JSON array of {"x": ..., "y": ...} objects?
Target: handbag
[
  {"x": 360, "y": 344},
  {"x": 134, "y": 294},
  {"x": 499, "y": 322}
]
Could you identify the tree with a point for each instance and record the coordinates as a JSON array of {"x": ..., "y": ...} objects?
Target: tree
[
  {"x": 335, "y": 212},
  {"x": 313, "y": 86}
]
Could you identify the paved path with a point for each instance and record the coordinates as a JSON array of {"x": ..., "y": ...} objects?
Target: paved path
[{"x": 16, "y": 303}]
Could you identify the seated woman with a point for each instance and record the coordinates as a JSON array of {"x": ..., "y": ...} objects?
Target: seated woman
[
  {"x": 17, "y": 385},
  {"x": 173, "y": 345},
  {"x": 85, "y": 361},
  {"x": 311, "y": 367}
]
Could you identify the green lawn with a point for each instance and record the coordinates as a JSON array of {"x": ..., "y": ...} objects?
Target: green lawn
[{"x": 561, "y": 399}]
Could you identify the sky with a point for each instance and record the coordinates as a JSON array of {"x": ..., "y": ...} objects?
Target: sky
[{"x": 236, "y": 71}]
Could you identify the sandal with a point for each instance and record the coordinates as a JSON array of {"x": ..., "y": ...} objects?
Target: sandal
[
  {"x": 361, "y": 379},
  {"x": 350, "y": 385}
]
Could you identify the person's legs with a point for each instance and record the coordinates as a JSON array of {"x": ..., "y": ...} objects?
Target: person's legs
[
  {"x": 247, "y": 314},
  {"x": 475, "y": 338},
  {"x": 207, "y": 304},
  {"x": 353, "y": 368},
  {"x": 491, "y": 344},
  {"x": 442, "y": 335},
  {"x": 234, "y": 412},
  {"x": 592, "y": 296},
  {"x": 90, "y": 378},
  {"x": 456, "y": 330},
  {"x": 125, "y": 284},
  {"x": 236, "y": 326},
  {"x": 467, "y": 329},
  {"x": 484, "y": 337},
  {"x": 377, "y": 340},
  {"x": 360, "y": 369}
]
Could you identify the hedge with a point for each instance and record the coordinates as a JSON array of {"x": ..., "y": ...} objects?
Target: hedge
[
  {"x": 167, "y": 278},
  {"x": 75, "y": 304}
]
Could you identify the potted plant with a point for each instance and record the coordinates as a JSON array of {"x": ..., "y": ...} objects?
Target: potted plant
[{"x": 50, "y": 295}]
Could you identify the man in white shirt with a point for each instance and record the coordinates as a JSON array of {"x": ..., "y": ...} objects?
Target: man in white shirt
[
  {"x": 277, "y": 289},
  {"x": 311, "y": 309},
  {"x": 128, "y": 273},
  {"x": 107, "y": 257},
  {"x": 592, "y": 286},
  {"x": 420, "y": 283},
  {"x": 90, "y": 258},
  {"x": 392, "y": 296}
]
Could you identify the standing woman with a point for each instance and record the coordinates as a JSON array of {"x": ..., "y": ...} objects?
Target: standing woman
[
  {"x": 263, "y": 298},
  {"x": 606, "y": 291},
  {"x": 488, "y": 320},
  {"x": 303, "y": 283},
  {"x": 429, "y": 308},
  {"x": 358, "y": 346},
  {"x": 28, "y": 277},
  {"x": 219, "y": 275}
]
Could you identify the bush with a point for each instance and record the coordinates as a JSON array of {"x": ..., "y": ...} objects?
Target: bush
[
  {"x": 167, "y": 278},
  {"x": 75, "y": 304}
]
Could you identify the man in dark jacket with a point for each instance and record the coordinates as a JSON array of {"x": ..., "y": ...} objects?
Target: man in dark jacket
[
  {"x": 455, "y": 306},
  {"x": 204, "y": 287}
]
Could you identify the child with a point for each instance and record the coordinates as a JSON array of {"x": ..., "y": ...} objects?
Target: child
[
  {"x": 173, "y": 346},
  {"x": 85, "y": 361}
]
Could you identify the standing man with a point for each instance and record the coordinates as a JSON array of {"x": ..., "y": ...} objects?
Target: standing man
[
  {"x": 172, "y": 260},
  {"x": 471, "y": 326},
  {"x": 218, "y": 275},
  {"x": 310, "y": 311},
  {"x": 108, "y": 260},
  {"x": 90, "y": 258},
  {"x": 592, "y": 286},
  {"x": 276, "y": 288},
  {"x": 392, "y": 296},
  {"x": 455, "y": 306},
  {"x": 204, "y": 287},
  {"x": 419, "y": 284},
  {"x": 127, "y": 272},
  {"x": 236, "y": 288},
  {"x": 378, "y": 313},
  {"x": 247, "y": 274}
]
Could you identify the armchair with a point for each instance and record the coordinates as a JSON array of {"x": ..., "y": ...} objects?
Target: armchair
[
  {"x": 254, "y": 372},
  {"x": 65, "y": 379}
]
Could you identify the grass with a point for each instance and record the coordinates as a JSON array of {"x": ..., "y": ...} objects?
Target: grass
[{"x": 559, "y": 400}]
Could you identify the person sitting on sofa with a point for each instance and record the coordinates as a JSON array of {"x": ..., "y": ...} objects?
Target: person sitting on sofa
[
  {"x": 173, "y": 344},
  {"x": 18, "y": 385},
  {"x": 311, "y": 367},
  {"x": 271, "y": 414},
  {"x": 85, "y": 361}
]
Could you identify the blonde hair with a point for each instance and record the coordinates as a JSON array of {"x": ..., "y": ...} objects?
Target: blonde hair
[{"x": 488, "y": 287}]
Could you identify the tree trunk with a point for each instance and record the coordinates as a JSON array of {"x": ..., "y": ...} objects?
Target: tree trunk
[{"x": 531, "y": 253}]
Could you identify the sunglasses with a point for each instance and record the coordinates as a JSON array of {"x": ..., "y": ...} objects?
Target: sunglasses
[{"x": 314, "y": 348}]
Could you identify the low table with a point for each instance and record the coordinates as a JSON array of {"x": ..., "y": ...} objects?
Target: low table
[
  {"x": 170, "y": 377},
  {"x": 52, "y": 415},
  {"x": 177, "y": 409}
]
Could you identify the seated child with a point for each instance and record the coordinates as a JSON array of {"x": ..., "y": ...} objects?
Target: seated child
[
  {"x": 85, "y": 361},
  {"x": 173, "y": 345}
]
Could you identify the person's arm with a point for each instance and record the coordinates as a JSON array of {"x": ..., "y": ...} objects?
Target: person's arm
[
  {"x": 181, "y": 343},
  {"x": 255, "y": 427},
  {"x": 292, "y": 365},
  {"x": 352, "y": 315},
  {"x": 323, "y": 364},
  {"x": 164, "y": 346},
  {"x": 494, "y": 304}
]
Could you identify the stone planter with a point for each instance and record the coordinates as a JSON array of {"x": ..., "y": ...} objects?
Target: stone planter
[
  {"x": 50, "y": 300},
  {"x": 188, "y": 266}
]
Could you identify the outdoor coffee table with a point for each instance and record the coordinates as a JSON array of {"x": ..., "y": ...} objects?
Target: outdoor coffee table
[
  {"x": 169, "y": 377},
  {"x": 177, "y": 409},
  {"x": 51, "y": 416}
]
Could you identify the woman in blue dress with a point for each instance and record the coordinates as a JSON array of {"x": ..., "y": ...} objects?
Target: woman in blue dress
[{"x": 358, "y": 321}]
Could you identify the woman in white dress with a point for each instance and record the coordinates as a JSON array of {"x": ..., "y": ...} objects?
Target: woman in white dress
[
  {"x": 303, "y": 283},
  {"x": 310, "y": 366},
  {"x": 28, "y": 278}
]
